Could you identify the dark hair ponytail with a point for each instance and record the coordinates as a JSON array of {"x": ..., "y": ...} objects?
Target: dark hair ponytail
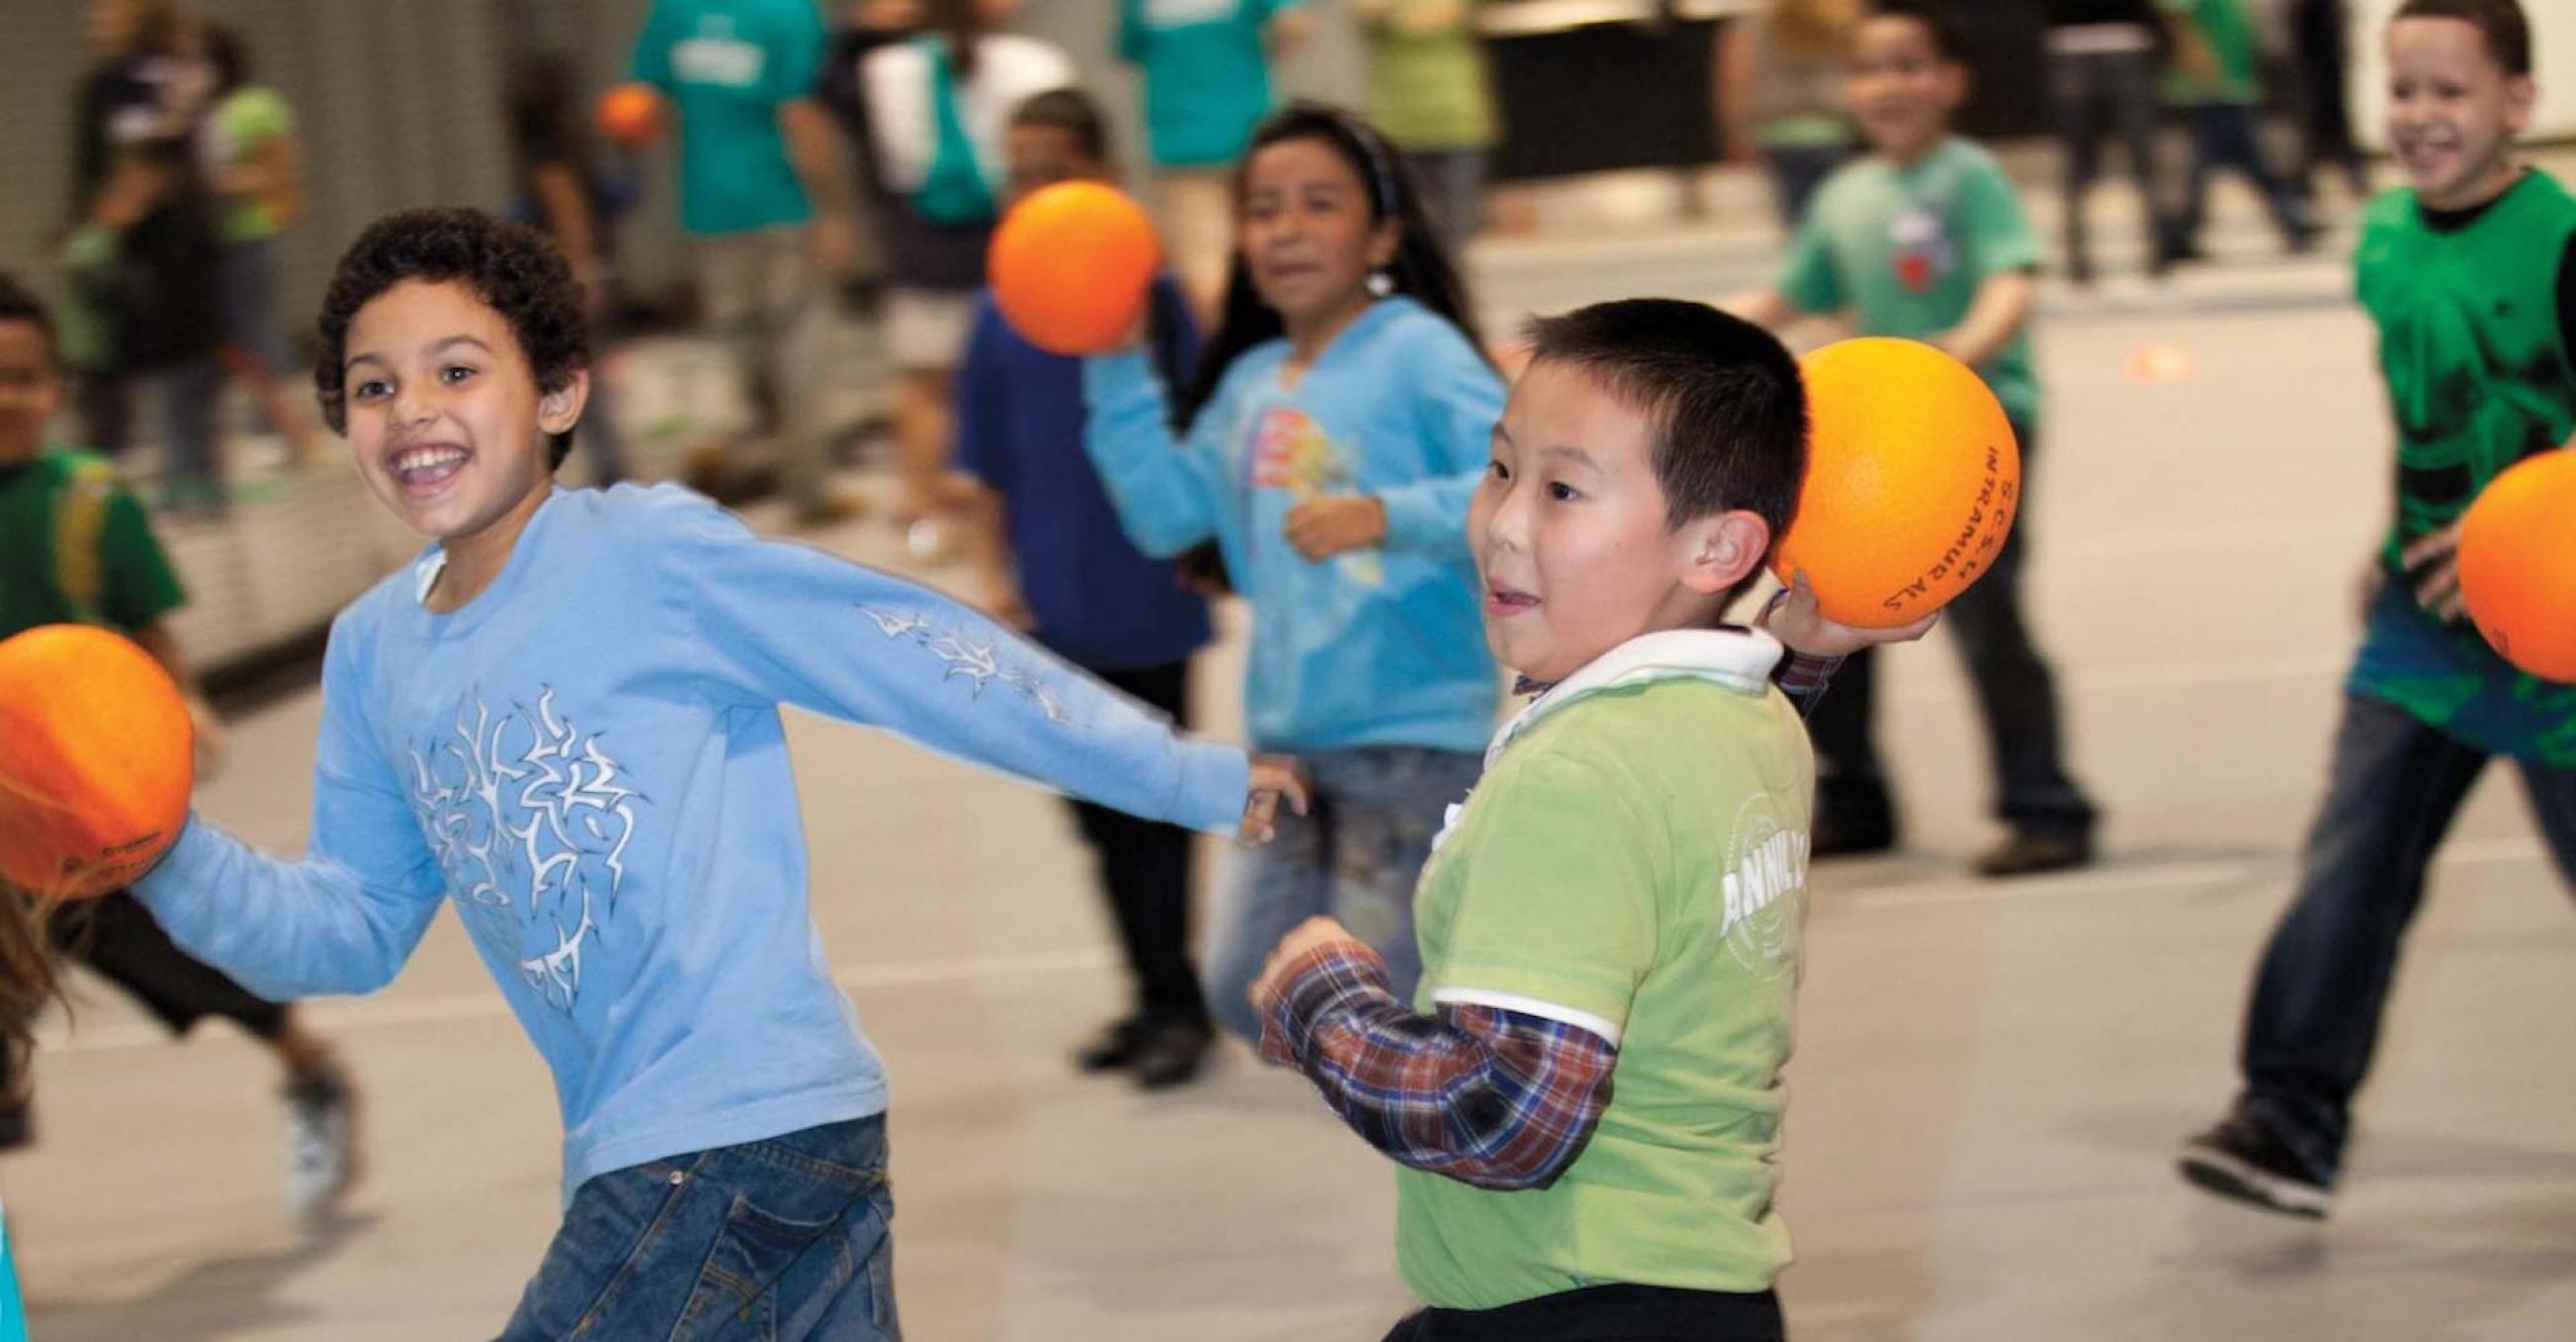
[{"x": 1421, "y": 270}]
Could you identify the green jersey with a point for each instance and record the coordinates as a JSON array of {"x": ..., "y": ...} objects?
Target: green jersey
[
  {"x": 2474, "y": 344},
  {"x": 1634, "y": 864},
  {"x": 75, "y": 548}
]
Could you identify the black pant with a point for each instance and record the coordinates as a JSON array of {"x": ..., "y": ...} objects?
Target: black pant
[
  {"x": 2095, "y": 91},
  {"x": 1145, "y": 871},
  {"x": 2230, "y": 135},
  {"x": 119, "y": 938},
  {"x": 2016, "y": 693},
  {"x": 2395, "y": 787},
  {"x": 2325, "y": 125},
  {"x": 1607, "y": 1314}
]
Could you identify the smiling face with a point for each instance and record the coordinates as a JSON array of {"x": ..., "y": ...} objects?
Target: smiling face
[
  {"x": 1309, "y": 235},
  {"x": 2453, "y": 112},
  {"x": 445, "y": 417},
  {"x": 1572, "y": 531},
  {"x": 1902, "y": 88}
]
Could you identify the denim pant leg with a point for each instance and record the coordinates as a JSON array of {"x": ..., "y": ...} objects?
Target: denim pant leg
[
  {"x": 2236, "y": 140},
  {"x": 1851, "y": 783},
  {"x": 1277, "y": 887},
  {"x": 1796, "y": 172},
  {"x": 1391, "y": 804},
  {"x": 769, "y": 1239},
  {"x": 2078, "y": 100},
  {"x": 2552, "y": 793},
  {"x": 2396, "y": 784},
  {"x": 187, "y": 392},
  {"x": 2131, "y": 86}
]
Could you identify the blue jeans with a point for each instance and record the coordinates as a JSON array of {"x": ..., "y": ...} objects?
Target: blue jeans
[
  {"x": 2396, "y": 785},
  {"x": 2226, "y": 135},
  {"x": 772, "y": 1240},
  {"x": 1797, "y": 170},
  {"x": 1376, "y": 810}
]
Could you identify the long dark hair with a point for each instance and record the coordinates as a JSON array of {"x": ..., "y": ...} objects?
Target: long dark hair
[
  {"x": 1421, "y": 270},
  {"x": 30, "y": 976}
]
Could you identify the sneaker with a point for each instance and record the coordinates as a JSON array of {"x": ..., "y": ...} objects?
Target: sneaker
[
  {"x": 321, "y": 1142},
  {"x": 2241, "y": 1159},
  {"x": 1114, "y": 1049},
  {"x": 1171, "y": 1055},
  {"x": 2031, "y": 854}
]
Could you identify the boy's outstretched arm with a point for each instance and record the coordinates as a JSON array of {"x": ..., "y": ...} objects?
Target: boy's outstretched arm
[
  {"x": 771, "y": 623},
  {"x": 1495, "y": 1098},
  {"x": 344, "y": 919},
  {"x": 1995, "y": 315}
]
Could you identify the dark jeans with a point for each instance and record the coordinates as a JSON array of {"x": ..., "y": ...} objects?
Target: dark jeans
[
  {"x": 2016, "y": 694},
  {"x": 1796, "y": 171},
  {"x": 2325, "y": 124},
  {"x": 788, "y": 1238},
  {"x": 1620, "y": 1313},
  {"x": 1145, "y": 872},
  {"x": 2097, "y": 91},
  {"x": 2396, "y": 784},
  {"x": 116, "y": 936},
  {"x": 2225, "y": 135}
]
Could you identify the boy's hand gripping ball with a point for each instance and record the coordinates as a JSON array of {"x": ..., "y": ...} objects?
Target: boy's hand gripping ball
[
  {"x": 1913, "y": 478},
  {"x": 1072, "y": 266},
  {"x": 2518, "y": 565},
  {"x": 96, "y": 760}
]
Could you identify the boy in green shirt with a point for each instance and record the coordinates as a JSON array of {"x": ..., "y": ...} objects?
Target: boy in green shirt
[
  {"x": 1623, "y": 894},
  {"x": 75, "y": 548},
  {"x": 2470, "y": 276},
  {"x": 1923, "y": 238}
]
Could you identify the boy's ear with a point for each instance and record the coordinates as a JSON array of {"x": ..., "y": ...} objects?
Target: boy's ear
[
  {"x": 560, "y": 409},
  {"x": 1722, "y": 550},
  {"x": 2520, "y": 92}
]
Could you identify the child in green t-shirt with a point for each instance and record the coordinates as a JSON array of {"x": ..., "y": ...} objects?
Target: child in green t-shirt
[
  {"x": 1924, "y": 238},
  {"x": 1624, "y": 891},
  {"x": 75, "y": 548},
  {"x": 2470, "y": 276}
]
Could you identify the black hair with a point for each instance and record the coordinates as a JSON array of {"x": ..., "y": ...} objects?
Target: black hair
[
  {"x": 20, "y": 304},
  {"x": 231, "y": 61},
  {"x": 513, "y": 268},
  {"x": 1935, "y": 20},
  {"x": 1072, "y": 111},
  {"x": 2501, "y": 22},
  {"x": 1421, "y": 269},
  {"x": 960, "y": 25},
  {"x": 1722, "y": 396}
]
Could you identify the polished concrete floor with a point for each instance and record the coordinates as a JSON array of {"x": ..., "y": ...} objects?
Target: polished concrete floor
[{"x": 1990, "y": 1081}]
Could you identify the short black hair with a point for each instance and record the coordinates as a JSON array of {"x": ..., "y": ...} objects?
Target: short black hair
[
  {"x": 513, "y": 268},
  {"x": 1935, "y": 20},
  {"x": 1727, "y": 408},
  {"x": 2506, "y": 29},
  {"x": 1072, "y": 111},
  {"x": 18, "y": 303}
]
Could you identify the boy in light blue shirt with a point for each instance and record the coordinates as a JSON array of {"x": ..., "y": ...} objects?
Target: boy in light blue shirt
[{"x": 564, "y": 718}]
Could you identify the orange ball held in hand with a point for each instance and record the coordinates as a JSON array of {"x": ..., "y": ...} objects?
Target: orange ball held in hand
[
  {"x": 631, "y": 114},
  {"x": 1071, "y": 266},
  {"x": 1913, "y": 477},
  {"x": 96, "y": 759},
  {"x": 2518, "y": 565}
]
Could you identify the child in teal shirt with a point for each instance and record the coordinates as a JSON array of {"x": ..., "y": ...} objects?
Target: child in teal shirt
[{"x": 1924, "y": 238}]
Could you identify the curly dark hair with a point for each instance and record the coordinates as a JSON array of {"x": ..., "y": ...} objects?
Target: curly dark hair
[{"x": 511, "y": 267}]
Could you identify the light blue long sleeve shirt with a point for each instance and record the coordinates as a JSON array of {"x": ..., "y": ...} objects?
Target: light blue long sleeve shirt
[
  {"x": 588, "y": 761},
  {"x": 1379, "y": 647}
]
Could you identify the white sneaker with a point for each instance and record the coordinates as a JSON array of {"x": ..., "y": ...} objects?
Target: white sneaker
[{"x": 321, "y": 1159}]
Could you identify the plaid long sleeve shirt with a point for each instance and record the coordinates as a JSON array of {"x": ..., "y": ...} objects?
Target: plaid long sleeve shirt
[{"x": 1498, "y": 1099}]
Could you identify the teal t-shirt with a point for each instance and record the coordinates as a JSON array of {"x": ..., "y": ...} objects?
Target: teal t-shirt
[
  {"x": 1207, "y": 78},
  {"x": 728, "y": 66},
  {"x": 1904, "y": 249},
  {"x": 13, "y": 1313}
]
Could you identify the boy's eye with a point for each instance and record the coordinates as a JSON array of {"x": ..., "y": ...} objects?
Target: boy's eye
[
  {"x": 371, "y": 389},
  {"x": 454, "y": 373},
  {"x": 1497, "y": 471},
  {"x": 1562, "y": 492}
]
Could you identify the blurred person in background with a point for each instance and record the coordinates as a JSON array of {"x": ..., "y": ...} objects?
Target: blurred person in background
[
  {"x": 937, "y": 106},
  {"x": 1779, "y": 88},
  {"x": 1206, "y": 66},
  {"x": 764, "y": 198},
  {"x": 2102, "y": 57},
  {"x": 1053, "y": 561},
  {"x": 2217, "y": 79},
  {"x": 2318, "y": 33},
  {"x": 1431, "y": 91},
  {"x": 562, "y": 192},
  {"x": 256, "y": 160},
  {"x": 146, "y": 269}
]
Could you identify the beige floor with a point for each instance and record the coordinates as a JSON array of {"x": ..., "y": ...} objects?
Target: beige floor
[{"x": 1990, "y": 1081}]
